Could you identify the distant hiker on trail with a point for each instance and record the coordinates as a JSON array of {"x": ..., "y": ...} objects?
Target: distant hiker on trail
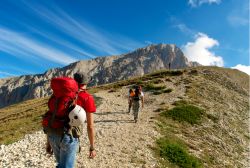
[
  {"x": 169, "y": 65},
  {"x": 69, "y": 106},
  {"x": 130, "y": 99},
  {"x": 138, "y": 102}
]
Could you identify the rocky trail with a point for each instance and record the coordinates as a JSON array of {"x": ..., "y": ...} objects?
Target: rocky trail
[
  {"x": 221, "y": 139},
  {"x": 119, "y": 141}
]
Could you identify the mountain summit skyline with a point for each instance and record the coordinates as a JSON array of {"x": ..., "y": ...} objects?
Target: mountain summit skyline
[
  {"x": 102, "y": 70},
  {"x": 39, "y": 35}
]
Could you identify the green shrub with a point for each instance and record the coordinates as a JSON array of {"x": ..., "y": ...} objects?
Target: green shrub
[
  {"x": 156, "y": 81},
  {"x": 164, "y": 73},
  {"x": 176, "y": 153},
  {"x": 162, "y": 91},
  {"x": 157, "y": 92},
  {"x": 188, "y": 113},
  {"x": 194, "y": 72},
  {"x": 152, "y": 87},
  {"x": 160, "y": 73},
  {"x": 139, "y": 82},
  {"x": 98, "y": 100},
  {"x": 176, "y": 73},
  {"x": 167, "y": 90}
]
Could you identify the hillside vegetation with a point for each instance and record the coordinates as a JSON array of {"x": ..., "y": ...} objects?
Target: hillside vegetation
[
  {"x": 201, "y": 113},
  {"x": 20, "y": 119}
]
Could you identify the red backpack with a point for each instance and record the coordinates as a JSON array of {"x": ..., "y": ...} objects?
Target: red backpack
[{"x": 64, "y": 95}]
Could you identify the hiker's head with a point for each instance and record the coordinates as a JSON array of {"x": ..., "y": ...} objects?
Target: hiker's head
[
  {"x": 81, "y": 79},
  {"x": 138, "y": 88},
  {"x": 130, "y": 90}
]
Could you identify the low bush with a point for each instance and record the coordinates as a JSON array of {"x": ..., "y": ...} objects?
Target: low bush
[
  {"x": 193, "y": 72},
  {"x": 156, "y": 81},
  {"x": 152, "y": 87},
  {"x": 98, "y": 100},
  {"x": 167, "y": 90},
  {"x": 176, "y": 73},
  {"x": 162, "y": 91},
  {"x": 187, "y": 113},
  {"x": 164, "y": 73},
  {"x": 175, "y": 152}
]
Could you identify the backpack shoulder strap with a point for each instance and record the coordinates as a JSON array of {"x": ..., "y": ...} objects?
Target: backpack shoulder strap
[{"x": 76, "y": 97}]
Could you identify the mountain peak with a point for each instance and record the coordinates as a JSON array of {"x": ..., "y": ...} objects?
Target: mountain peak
[
  {"x": 102, "y": 69},
  {"x": 159, "y": 46}
]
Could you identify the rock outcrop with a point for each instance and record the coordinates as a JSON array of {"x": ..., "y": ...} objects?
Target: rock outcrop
[{"x": 102, "y": 69}]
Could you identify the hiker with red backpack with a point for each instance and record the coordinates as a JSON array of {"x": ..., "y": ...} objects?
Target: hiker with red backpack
[
  {"x": 138, "y": 102},
  {"x": 69, "y": 106}
]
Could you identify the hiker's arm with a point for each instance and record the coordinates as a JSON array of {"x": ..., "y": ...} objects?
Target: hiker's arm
[
  {"x": 142, "y": 101},
  {"x": 91, "y": 134},
  {"x": 129, "y": 98},
  {"x": 48, "y": 147}
]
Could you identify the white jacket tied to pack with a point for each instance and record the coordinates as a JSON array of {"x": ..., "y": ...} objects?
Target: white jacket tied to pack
[{"x": 77, "y": 116}]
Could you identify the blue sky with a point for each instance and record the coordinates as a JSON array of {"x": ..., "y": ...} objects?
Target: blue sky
[{"x": 38, "y": 35}]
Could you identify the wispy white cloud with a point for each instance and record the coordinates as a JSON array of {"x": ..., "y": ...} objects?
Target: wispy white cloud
[
  {"x": 84, "y": 32},
  {"x": 16, "y": 70},
  {"x": 184, "y": 29},
  {"x": 196, "y": 3},
  {"x": 8, "y": 70},
  {"x": 199, "y": 50},
  {"x": 238, "y": 21},
  {"x": 4, "y": 74},
  {"x": 123, "y": 43},
  {"x": 83, "y": 38},
  {"x": 65, "y": 44},
  {"x": 240, "y": 15},
  {"x": 242, "y": 68},
  {"x": 22, "y": 46}
]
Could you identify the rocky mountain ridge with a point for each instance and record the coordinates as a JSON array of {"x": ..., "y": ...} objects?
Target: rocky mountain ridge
[{"x": 102, "y": 69}]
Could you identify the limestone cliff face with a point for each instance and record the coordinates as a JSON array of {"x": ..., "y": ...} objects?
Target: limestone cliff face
[{"x": 102, "y": 69}]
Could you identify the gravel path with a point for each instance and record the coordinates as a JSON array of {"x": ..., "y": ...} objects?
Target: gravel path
[{"x": 120, "y": 143}]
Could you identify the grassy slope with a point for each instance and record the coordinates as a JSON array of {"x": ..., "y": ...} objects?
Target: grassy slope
[
  {"x": 220, "y": 92},
  {"x": 224, "y": 136},
  {"x": 20, "y": 119},
  {"x": 25, "y": 117}
]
